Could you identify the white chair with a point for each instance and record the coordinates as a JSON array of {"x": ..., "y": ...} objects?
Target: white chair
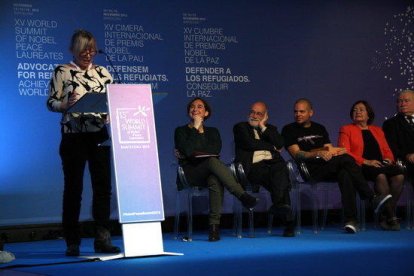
[
  {"x": 240, "y": 175},
  {"x": 184, "y": 203},
  {"x": 408, "y": 194},
  {"x": 300, "y": 178}
]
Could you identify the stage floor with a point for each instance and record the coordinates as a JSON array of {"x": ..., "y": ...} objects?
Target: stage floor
[{"x": 330, "y": 252}]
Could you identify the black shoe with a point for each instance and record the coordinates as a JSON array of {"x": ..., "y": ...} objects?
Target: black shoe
[
  {"x": 248, "y": 200},
  {"x": 72, "y": 250},
  {"x": 105, "y": 247},
  {"x": 214, "y": 233},
  {"x": 390, "y": 225},
  {"x": 289, "y": 230},
  {"x": 394, "y": 224},
  {"x": 378, "y": 201},
  {"x": 351, "y": 227},
  {"x": 280, "y": 210},
  {"x": 102, "y": 243}
]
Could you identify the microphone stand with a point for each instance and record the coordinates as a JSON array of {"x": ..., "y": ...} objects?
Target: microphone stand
[{"x": 111, "y": 65}]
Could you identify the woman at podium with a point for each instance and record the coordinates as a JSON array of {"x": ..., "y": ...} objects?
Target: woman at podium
[{"x": 82, "y": 134}]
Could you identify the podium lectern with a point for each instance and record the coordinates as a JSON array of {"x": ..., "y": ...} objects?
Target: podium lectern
[
  {"x": 90, "y": 102},
  {"x": 136, "y": 164}
]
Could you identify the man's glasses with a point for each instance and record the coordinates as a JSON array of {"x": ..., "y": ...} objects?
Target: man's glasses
[{"x": 260, "y": 114}]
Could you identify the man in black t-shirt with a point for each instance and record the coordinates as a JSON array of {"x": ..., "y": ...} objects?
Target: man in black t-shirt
[{"x": 309, "y": 141}]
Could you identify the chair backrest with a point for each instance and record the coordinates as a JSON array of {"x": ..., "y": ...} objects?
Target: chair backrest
[
  {"x": 234, "y": 170},
  {"x": 240, "y": 175},
  {"x": 303, "y": 170},
  {"x": 182, "y": 182},
  {"x": 181, "y": 177},
  {"x": 298, "y": 172},
  {"x": 294, "y": 173},
  {"x": 402, "y": 166}
]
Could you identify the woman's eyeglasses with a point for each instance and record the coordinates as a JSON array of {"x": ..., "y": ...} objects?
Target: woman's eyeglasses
[{"x": 87, "y": 53}]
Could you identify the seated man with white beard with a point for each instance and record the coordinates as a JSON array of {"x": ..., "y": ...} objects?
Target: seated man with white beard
[{"x": 257, "y": 149}]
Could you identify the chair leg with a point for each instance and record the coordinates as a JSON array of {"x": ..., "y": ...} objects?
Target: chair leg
[
  {"x": 315, "y": 211},
  {"x": 235, "y": 221},
  {"x": 298, "y": 210},
  {"x": 269, "y": 223},
  {"x": 190, "y": 217},
  {"x": 177, "y": 216},
  {"x": 237, "y": 218},
  {"x": 325, "y": 207},
  {"x": 361, "y": 214},
  {"x": 377, "y": 220},
  {"x": 358, "y": 210},
  {"x": 251, "y": 224},
  {"x": 315, "y": 220},
  {"x": 409, "y": 214}
]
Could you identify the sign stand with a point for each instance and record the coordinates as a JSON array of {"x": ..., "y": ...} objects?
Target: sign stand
[
  {"x": 137, "y": 171},
  {"x": 142, "y": 239},
  {"x": 136, "y": 165}
]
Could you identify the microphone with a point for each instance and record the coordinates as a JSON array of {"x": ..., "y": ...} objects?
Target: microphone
[{"x": 111, "y": 64}]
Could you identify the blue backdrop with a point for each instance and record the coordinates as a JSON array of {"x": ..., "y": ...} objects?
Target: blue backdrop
[{"x": 232, "y": 52}]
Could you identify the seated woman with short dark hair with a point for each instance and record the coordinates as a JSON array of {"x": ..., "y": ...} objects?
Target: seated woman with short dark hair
[
  {"x": 198, "y": 147},
  {"x": 366, "y": 143}
]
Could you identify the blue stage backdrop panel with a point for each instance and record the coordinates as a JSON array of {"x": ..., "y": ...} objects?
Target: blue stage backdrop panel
[{"x": 230, "y": 52}]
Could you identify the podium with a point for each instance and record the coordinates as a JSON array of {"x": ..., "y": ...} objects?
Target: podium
[
  {"x": 97, "y": 102},
  {"x": 90, "y": 102},
  {"x": 136, "y": 164}
]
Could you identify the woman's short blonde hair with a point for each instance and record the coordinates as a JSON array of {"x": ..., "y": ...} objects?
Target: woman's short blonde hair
[{"x": 82, "y": 40}]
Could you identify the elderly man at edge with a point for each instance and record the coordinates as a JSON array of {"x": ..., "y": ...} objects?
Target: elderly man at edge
[{"x": 399, "y": 131}]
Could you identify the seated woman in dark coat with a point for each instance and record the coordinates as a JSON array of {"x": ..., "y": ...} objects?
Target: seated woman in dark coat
[{"x": 198, "y": 148}]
